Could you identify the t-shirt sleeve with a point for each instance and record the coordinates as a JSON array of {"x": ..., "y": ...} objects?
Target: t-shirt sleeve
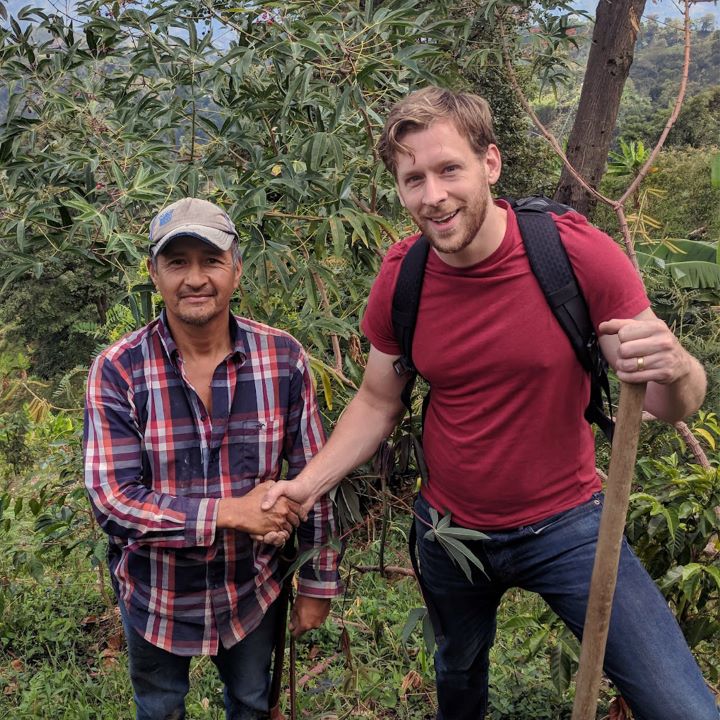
[
  {"x": 610, "y": 283},
  {"x": 376, "y": 323}
]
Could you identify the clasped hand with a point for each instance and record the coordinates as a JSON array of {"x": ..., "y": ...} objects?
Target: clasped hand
[{"x": 246, "y": 514}]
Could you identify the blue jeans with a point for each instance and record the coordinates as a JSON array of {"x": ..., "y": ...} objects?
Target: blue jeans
[
  {"x": 646, "y": 657},
  {"x": 161, "y": 679}
]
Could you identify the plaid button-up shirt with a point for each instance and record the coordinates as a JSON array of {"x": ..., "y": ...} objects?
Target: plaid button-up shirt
[{"x": 156, "y": 464}]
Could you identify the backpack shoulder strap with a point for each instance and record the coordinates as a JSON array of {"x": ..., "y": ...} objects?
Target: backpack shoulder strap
[
  {"x": 552, "y": 268},
  {"x": 405, "y": 304}
]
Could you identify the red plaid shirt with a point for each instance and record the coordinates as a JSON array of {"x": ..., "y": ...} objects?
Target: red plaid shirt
[{"x": 156, "y": 465}]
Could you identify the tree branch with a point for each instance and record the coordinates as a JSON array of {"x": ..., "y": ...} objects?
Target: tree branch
[
  {"x": 335, "y": 340},
  {"x": 673, "y": 116},
  {"x": 554, "y": 144}
]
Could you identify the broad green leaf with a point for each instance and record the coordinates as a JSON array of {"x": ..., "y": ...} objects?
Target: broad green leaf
[
  {"x": 464, "y": 533},
  {"x": 714, "y": 572},
  {"x": 715, "y": 170},
  {"x": 460, "y": 554},
  {"x": 338, "y": 235},
  {"x": 414, "y": 617},
  {"x": 302, "y": 559},
  {"x": 705, "y": 435},
  {"x": 428, "y": 634},
  {"x": 356, "y": 222},
  {"x": 516, "y": 622},
  {"x": 561, "y": 667},
  {"x": 327, "y": 388}
]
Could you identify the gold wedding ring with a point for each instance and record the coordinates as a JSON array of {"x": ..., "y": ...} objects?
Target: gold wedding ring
[{"x": 640, "y": 364}]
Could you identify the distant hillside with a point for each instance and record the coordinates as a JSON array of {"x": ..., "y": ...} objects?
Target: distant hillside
[{"x": 663, "y": 9}]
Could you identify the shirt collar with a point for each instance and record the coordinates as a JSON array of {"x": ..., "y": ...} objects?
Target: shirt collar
[{"x": 237, "y": 339}]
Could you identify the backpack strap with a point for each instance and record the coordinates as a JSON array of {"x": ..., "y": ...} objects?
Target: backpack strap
[
  {"x": 405, "y": 304},
  {"x": 551, "y": 266}
]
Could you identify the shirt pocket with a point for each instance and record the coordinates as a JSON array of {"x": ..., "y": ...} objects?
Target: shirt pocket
[{"x": 256, "y": 448}]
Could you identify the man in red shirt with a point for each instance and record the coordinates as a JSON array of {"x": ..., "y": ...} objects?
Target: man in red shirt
[{"x": 507, "y": 447}]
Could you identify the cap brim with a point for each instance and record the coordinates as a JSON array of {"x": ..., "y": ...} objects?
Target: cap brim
[{"x": 217, "y": 238}]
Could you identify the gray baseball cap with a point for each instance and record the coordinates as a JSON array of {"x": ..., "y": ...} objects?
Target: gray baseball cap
[{"x": 195, "y": 218}]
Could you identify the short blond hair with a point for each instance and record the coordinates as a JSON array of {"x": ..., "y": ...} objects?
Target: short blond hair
[{"x": 469, "y": 113}]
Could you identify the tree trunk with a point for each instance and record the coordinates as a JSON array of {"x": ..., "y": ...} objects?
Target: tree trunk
[{"x": 611, "y": 54}]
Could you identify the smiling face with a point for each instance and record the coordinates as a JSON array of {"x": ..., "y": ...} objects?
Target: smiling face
[
  {"x": 196, "y": 281},
  {"x": 445, "y": 187}
]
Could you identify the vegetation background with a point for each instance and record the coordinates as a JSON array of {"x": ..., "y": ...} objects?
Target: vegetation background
[{"x": 109, "y": 110}]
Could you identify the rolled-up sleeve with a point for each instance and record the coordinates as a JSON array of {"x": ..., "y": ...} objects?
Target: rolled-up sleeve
[{"x": 123, "y": 503}]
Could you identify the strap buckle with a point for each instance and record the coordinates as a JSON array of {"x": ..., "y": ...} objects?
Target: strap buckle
[{"x": 402, "y": 366}]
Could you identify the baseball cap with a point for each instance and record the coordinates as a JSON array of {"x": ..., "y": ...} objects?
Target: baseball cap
[{"x": 194, "y": 217}]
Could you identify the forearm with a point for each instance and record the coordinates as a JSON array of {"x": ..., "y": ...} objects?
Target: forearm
[
  {"x": 134, "y": 513},
  {"x": 674, "y": 401},
  {"x": 124, "y": 500},
  {"x": 359, "y": 431}
]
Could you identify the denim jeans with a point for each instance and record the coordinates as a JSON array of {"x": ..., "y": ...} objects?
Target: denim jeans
[
  {"x": 646, "y": 656},
  {"x": 161, "y": 679}
]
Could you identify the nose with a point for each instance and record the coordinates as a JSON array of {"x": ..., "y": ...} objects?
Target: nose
[
  {"x": 433, "y": 191},
  {"x": 195, "y": 275}
]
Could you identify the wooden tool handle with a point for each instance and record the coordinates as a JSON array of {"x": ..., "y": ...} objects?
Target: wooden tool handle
[{"x": 607, "y": 554}]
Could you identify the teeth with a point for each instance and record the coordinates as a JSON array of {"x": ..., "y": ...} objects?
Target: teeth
[{"x": 445, "y": 218}]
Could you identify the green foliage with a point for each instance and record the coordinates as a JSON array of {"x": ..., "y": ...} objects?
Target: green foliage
[
  {"x": 50, "y": 309},
  {"x": 274, "y": 117},
  {"x": 659, "y": 58},
  {"x": 273, "y": 114},
  {"x": 715, "y": 171},
  {"x": 652, "y": 86},
  {"x": 698, "y": 124},
  {"x": 685, "y": 202},
  {"x": 49, "y": 519},
  {"x": 14, "y": 448},
  {"x": 452, "y": 540},
  {"x": 628, "y": 162},
  {"x": 674, "y": 523},
  {"x": 690, "y": 264}
]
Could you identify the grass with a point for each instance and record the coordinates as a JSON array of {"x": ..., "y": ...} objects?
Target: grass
[{"x": 62, "y": 653}]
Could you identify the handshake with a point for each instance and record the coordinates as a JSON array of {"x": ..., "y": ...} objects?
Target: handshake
[{"x": 268, "y": 513}]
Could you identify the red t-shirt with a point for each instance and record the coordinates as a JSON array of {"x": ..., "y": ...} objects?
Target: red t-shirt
[{"x": 505, "y": 438}]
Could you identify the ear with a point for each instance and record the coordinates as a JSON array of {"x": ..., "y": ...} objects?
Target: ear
[
  {"x": 238, "y": 272},
  {"x": 400, "y": 197},
  {"x": 151, "y": 271},
  {"x": 493, "y": 164}
]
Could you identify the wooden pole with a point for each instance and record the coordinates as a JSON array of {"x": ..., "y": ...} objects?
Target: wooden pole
[{"x": 607, "y": 554}]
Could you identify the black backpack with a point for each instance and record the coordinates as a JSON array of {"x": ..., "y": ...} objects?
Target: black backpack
[{"x": 551, "y": 266}]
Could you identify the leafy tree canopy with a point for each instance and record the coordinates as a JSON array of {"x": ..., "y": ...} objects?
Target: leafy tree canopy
[{"x": 273, "y": 114}]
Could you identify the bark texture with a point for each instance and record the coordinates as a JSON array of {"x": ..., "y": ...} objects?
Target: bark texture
[{"x": 611, "y": 54}]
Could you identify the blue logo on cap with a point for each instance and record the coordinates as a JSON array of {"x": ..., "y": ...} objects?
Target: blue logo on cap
[{"x": 165, "y": 218}]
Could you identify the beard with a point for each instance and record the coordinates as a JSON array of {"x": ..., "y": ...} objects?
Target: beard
[
  {"x": 198, "y": 316},
  {"x": 460, "y": 236}
]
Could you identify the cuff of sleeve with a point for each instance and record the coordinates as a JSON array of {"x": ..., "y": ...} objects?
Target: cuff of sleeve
[
  {"x": 320, "y": 589},
  {"x": 200, "y": 530}
]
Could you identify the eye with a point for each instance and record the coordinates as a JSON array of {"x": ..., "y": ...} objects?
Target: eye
[
  {"x": 451, "y": 168},
  {"x": 413, "y": 180}
]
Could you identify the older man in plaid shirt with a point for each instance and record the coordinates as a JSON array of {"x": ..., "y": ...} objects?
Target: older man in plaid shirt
[{"x": 188, "y": 422}]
